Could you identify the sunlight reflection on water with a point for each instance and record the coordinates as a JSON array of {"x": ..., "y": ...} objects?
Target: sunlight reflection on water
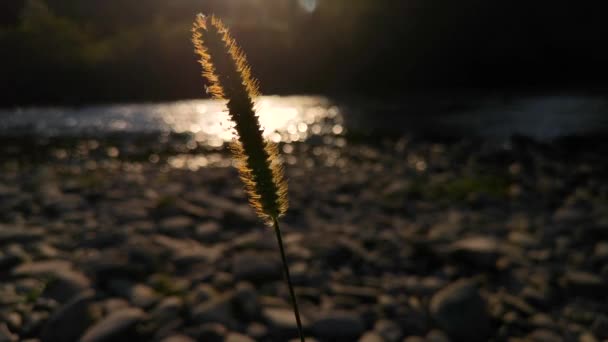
[{"x": 284, "y": 119}]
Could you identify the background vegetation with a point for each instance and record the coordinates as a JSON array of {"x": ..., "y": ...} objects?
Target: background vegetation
[{"x": 70, "y": 51}]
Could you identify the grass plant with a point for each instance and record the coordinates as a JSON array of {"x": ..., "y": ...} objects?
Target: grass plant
[{"x": 229, "y": 76}]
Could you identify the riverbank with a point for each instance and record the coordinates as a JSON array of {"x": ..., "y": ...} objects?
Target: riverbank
[{"x": 145, "y": 237}]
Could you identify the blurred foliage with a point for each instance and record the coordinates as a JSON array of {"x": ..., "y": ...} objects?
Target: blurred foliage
[{"x": 74, "y": 51}]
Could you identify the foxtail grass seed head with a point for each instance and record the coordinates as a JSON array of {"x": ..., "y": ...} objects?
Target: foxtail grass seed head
[{"x": 229, "y": 76}]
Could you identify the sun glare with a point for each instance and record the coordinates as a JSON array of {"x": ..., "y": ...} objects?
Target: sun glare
[{"x": 308, "y": 5}]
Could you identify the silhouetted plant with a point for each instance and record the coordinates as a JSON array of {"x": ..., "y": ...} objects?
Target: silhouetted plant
[{"x": 225, "y": 67}]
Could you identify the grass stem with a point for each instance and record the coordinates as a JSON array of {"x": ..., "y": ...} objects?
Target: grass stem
[{"x": 294, "y": 301}]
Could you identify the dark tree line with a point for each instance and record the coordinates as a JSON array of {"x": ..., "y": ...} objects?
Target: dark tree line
[{"x": 72, "y": 51}]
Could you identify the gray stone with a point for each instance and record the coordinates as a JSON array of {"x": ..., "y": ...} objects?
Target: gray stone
[
  {"x": 390, "y": 331},
  {"x": 460, "y": 311},
  {"x": 364, "y": 294},
  {"x": 482, "y": 251},
  {"x": 587, "y": 337},
  {"x": 437, "y": 336},
  {"x": 119, "y": 325},
  {"x": 256, "y": 267},
  {"x": 282, "y": 322},
  {"x": 216, "y": 310},
  {"x": 246, "y": 301},
  {"x": 208, "y": 232},
  {"x": 6, "y": 335},
  {"x": 211, "y": 332},
  {"x": 542, "y": 335},
  {"x": 20, "y": 235},
  {"x": 338, "y": 325},
  {"x": 257, "y": 331},
  {"x": 34, "y": 322},
  {"x": 371, "y": 336},
  {"x": 176, "y": 226},
  {"x": 14, "y": 320},
  {"x": 169, "y": 307},
  {"x": 414, "y": 339},
  {"x": 235, "y": 337},
  {"x": 600, "y": 326},
  {"x": 64, "y": 283},
  {"x": 139, "y": 295},
  {"x": 178, "y": 338},
  {"x": 584, "y": 284},
  {"x": 69, "y": 321}
]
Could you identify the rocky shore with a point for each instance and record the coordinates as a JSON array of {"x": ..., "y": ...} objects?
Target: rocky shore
[{"x": 407, "y": 240}]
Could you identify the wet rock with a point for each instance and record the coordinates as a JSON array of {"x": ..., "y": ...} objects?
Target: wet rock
[
  {"x": 460, "y": 311},
  {"x": 70, "y": 321},
  {"x": 118, "y": 326},
  {"x": 256, "y": 267},
  {"x": 338, "y": 325}
]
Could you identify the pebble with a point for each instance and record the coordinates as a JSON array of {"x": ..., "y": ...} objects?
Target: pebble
[
  {"x": 216, "y": 310},
  {"x": 460, "y": 311},
  {"x": 371, "y": 336},
  {"x": 257, "y": 267},
  {"x": 584, "y": 284},
  {"x": 71, "y": 320},
  {"x": 482, "y": 251},
  {"x": 337, "y": 325},
  {"x": 282, "y": 322},
  {"x": 119, "y": 325},
  {"x": 437, "y": 336},
  {"x": 235, "y": 337},
  {"x": 185, "y": 247},
  {"x": 6, "y": 335},
  {"x": 178, "y": 338},
  {"x": 390, "y": 331}
]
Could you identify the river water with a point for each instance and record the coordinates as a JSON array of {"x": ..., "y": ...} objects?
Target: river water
[{"x": 297, "y": 118}]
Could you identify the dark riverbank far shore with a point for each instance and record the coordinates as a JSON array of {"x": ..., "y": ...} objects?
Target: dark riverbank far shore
[{"x": 140, "y": 237}]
